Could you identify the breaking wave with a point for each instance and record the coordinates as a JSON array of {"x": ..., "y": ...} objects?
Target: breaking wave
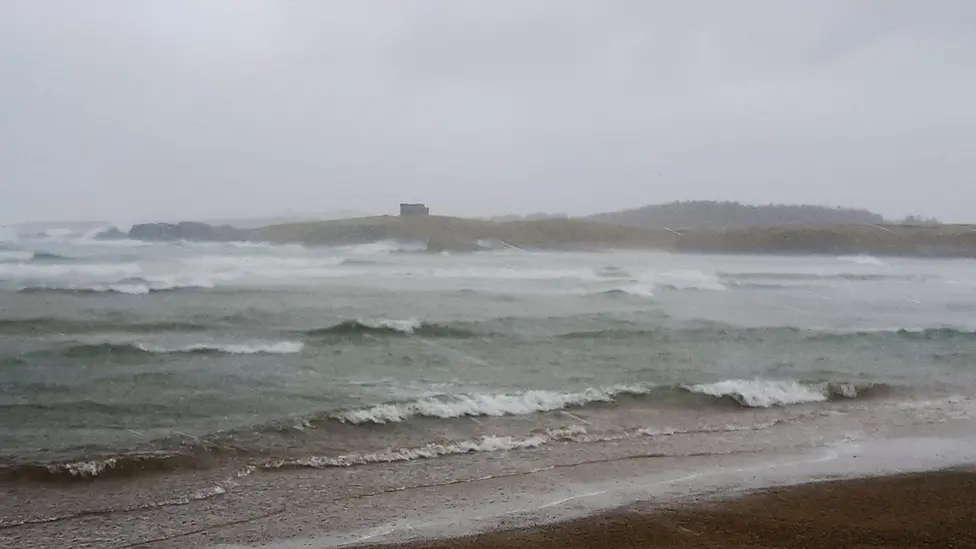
[
  {"x": 384, "y": 247},
  {"x": 275, "y": 348},
  {"x": 490, "y": 443},
  {"x": 710, "y": 330},
  {"x": 199, "y": 453},
  {"x": 484, "y": 404},
  {"x": 748, "y": 277},
  {"x": 757, "y": 393},
  {"x": 689, "y": 280},
  {"x": 615, "y": 281},
  {"x": 386, "y": 326},
  {"x": 104, "y": 466},
  {"x": 635, "y": 289},
  {"x": 495, "y": 443},
  {"x": 748, "y": 393},
  {"x": 130, "y": 286},
  {"x": 862, "y": 260},
  {"x": 150, "y": 463},
  {"x": 131, "y": 349}
]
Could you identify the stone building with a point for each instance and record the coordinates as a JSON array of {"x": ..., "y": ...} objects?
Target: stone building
[{"x": 414, "y": 209}]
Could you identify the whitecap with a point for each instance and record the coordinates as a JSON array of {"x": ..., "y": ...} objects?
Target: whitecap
[
  {"x": 278, "y": 348},
  {"x": 488, "y": 443},
  {"x": 862, "y": 259},
  {"x": 759, "y": 393},
  {"x": 486, "y": 404}
]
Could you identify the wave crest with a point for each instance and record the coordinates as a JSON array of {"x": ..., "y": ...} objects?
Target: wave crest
[
  {"x": 485, "y": 404},
  {"x": 488, "y": 443},
  {"x": 635, "y": 289},
  {"x": 758, "y": 393},
  {"x": 128, "y": 286},
  {"x": 102, "y": 467},
  {"x": 384, "y": 326},
  {"x": 131, "y": 349}
]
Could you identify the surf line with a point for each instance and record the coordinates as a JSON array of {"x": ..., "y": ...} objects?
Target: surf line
[{"x": 829, "y": 455}]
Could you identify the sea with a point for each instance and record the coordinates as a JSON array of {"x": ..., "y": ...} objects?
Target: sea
[{"x": 137, "y": 376}]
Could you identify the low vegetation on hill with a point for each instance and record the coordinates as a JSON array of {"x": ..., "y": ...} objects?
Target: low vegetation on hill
[
  {"x": 905, "y": 240},
  {"x": 867, "y": 234},
  {"x": 453, "y": 233},
  {"x": 733, "y": 215}
]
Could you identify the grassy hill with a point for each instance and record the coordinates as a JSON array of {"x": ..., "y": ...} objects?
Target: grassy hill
[
  {"x": 453, "y": 233},
  {"x": 800, "y": 230},
  {"x": 925, "y": 240},
  {"x": 733, "y": 215}
]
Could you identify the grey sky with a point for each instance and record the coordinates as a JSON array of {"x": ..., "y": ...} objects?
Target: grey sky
[{"x": 168, "y": 109}]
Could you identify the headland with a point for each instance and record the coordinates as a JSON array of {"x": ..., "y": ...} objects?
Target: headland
[{"x": 455, "y": 234}]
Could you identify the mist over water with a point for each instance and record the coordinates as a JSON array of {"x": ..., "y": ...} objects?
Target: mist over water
[{"x": 119, "y": 352}]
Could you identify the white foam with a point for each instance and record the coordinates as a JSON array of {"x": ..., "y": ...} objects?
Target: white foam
[
  {"x": 90, "y": 468},
  {"x": 122, "y": 243},
  {"x": 689, "y": 280},
  {"x": 637, "y": 289},
  {"x": 244, "y": 245},
  {"x": 492, "y": 443},
  {"x": 633, "y": 288},
  {"x": 60, "y": 233},
  {"x": 861, "y": 259},
  {"x": 197, "y": 271},
  {"x": 611, "y": 271},
  {"x": 407, "y": 326},
  {"x": 485, "y": 404},
  {"x": 382, "y": 247},
  {"x": 15, "y": 255},
  {"x": 759, "y": 393},
  {"x": 61, "y": 272},
  {"x": 134, "y": 286},
  {"x": 278, "y": 348},
  {"x": 643, "y": 284},
  {"x": 488, "y": 443},
  {"x": 728, "y": 428}
]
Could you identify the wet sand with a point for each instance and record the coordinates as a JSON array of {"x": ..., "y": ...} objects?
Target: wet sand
[
  {"x": 590, "y": 494},
  {"x": 936, "y": 509}
]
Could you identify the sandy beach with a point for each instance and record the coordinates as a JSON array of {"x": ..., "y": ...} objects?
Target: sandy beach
[{"x": 936, "y": 509}]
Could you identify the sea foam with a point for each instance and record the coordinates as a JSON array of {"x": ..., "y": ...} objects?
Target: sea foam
[
  {"x": 768, "y": 393},
  {"x": 277, "y": 348},
  {"x": 485, "y": 404}
]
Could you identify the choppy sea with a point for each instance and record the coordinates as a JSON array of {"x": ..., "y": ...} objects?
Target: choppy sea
[{"x": 202, "y": 366}]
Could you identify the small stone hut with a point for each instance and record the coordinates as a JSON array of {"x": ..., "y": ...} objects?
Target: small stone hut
[{"x": 413, "y": 209}]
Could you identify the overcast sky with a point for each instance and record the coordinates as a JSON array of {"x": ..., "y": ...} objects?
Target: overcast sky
[{"x": 202, "y": 109}]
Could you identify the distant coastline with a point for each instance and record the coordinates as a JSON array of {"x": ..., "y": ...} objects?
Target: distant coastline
[{"x": 454, "y": 234}]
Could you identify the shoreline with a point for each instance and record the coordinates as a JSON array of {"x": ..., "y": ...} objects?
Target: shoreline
[
  {"x": 468, "y": 497},
  {"x": 528, "y": 510},
  {"x": 907, "y": 510}
]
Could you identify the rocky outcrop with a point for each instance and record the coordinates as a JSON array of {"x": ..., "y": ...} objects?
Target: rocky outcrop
[
  {"x": 112, "y": 233},
  {"x": 187, "y": 230}
]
